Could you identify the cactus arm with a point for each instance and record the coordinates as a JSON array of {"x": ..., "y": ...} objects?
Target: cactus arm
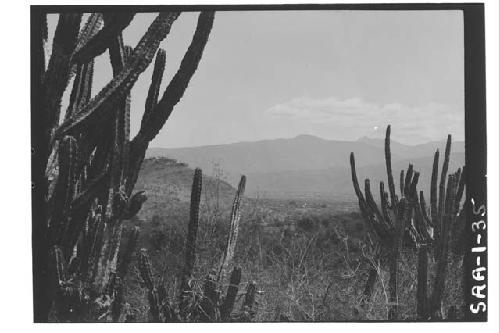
[
  {"x": 412, "y": 188},
  {"x": 103, "y": 254},
  {"x": 363, "y": 206},
  {"x": 402, "y": 215},
  {"x": 384, "y": 200},
  {"x": 82, "y": 87},
  {"x": 115, "y": 248},
  {"x": 232, "y": 291},
  {"x": 65, "y": 187},
  {"x": 357, "y": 190},
  {"x": 388, "y": 217},
  {"x": 136, "y": 157},
  {"x": 96, "y": 185},
  {"x": 90, "y": 29},
  {"x": 402, "y": 183},
  {"x": 154, "y": 87},
  {"x": 442, "y": 184},
  {"x": 175, "y": 89},
  {"x": 233, "y": 231},
  {"x": 57, "y": 76},
  {"x": 388, "y": 165},
  {"x": 407, "y": 180},
  {"x": 117, "y": 54},
  {"x": 368, "y": 215},
  {"x": 95, "y": 149},
  {"x": 137, "y": 150},
  {"x": 124, "y": 263},
  {"x": 97, "y": 44},
  {"x": 96, "y": 110},
  {"x": 60, "y": 265},
  {"x": 94, "y": 225},
  {"x": 423, "y": 208},
  {"x": 117, "y": 153},
  {"x": 415, "y": 224},
  {"x": 422, "y": 298},
  {"x": 192, "y": 230},
  {"x": 147, "y": 276},
  {"x": 376, "y": 218},
  {"x": 96, "y": 242},
  {"x": 448, "y": 219},
  {"x": 125, "y": 139},
  {"x": 39, "y": 25},
  {"x": 460, "y": 190},
  {"x": 43, "y": 28},
  {"x": 371, "y": 202},
  {"x": 433, "y": 194}
]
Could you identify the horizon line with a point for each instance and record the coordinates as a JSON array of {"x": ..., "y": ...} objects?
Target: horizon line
[{"x": 303, "y": 135}]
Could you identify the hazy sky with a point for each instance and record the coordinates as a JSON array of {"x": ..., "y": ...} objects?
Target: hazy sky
[{"x": 334, "y": 74}]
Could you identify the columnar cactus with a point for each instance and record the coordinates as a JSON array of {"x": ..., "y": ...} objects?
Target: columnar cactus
[
  {"x": 442, "y": 221},
  {"x": 91, "y": 164},
  {"x": 210, "y": 305},
  {"x": 392, "y": 224},
  {"x": 406, "y": 222}
]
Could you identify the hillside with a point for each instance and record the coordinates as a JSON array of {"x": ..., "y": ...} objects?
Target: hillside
[
  {"x": 307, "y": 165},
  {"x": 168, "y": 184}
]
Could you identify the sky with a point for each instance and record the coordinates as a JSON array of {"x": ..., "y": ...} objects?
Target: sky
[{"x": 338, "y": 75}]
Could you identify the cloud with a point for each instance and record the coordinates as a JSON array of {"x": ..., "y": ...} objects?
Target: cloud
[{"x": 350, "y": 119}]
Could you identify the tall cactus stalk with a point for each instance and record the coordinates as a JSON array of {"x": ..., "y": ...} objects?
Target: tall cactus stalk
[
  {"x": 210, "y": 305},
  {"x": 422, "y": 297},
  {"x": 232, "y": 291},
  {"x": 190, "y": 256},
  {"x": 233, "y": 231},
  {"x": 406, "y": 222},
  {"x": 89, "y": 185}
]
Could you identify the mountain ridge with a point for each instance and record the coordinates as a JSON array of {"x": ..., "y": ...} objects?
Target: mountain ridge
[{"x": 306, "y": 159}]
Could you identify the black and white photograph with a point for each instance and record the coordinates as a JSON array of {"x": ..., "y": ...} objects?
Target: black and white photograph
[{"x": 259, "y": 163}]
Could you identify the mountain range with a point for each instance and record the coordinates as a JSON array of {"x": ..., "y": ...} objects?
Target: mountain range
[{"x": 307, "y": 165}]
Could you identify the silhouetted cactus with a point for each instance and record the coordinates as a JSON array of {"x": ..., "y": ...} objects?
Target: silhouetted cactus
[
  {"x": 406, "y": 222},
  {"x": 210, "y": 305},
  {"x": 391, "y": 226},
  {"x": 233, "y": 231},
  {"x": 444, "y": 212},
  {"x": 91, "y": 164}
]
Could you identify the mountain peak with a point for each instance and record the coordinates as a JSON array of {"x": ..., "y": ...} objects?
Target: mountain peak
[
  {"x": 307, "y": 137},
  {"x": 368, "y": 139}
]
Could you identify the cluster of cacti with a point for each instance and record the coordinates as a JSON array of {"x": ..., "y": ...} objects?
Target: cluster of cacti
[
  {"x": 406, "y": 221},
  {"x": 209, "y": 305},
  {"x": 91, "y": 164}
]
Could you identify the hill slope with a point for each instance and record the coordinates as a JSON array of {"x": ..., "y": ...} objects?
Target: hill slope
[{"x": 168, "y": 183}]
